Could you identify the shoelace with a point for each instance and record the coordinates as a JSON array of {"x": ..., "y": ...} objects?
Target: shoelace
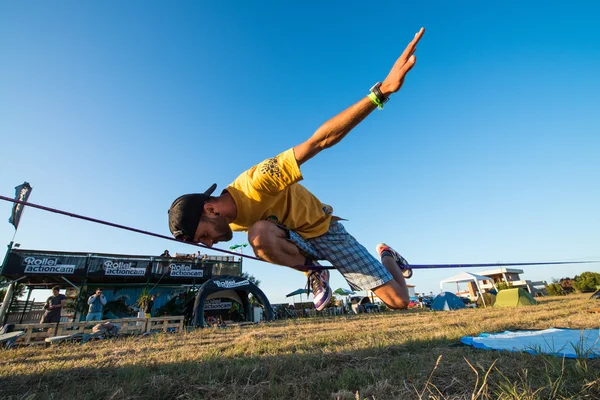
[{"x": 314, "y": 283}]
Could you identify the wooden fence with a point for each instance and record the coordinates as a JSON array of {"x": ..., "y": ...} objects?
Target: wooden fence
[
  {"x": 37, "y": 333},
  {"x": 27, "y": 316}
]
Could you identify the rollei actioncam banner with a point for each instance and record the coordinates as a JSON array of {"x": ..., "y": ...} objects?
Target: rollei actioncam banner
[
  {"x": 22, "y": 193},
  {"x": 113, "y": 267},
  {"x": 176, "y": 270},
  {"x": 217, "y": 304},
  {"x": 33, "y": 263}
]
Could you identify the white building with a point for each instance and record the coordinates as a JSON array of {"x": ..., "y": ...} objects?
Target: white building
[{"x": 512, "y": 278}]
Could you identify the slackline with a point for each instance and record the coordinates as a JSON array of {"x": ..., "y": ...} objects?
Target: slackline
[{"x": 157, "y": 235}]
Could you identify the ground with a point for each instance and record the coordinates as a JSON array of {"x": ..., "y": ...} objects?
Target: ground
[{"x": 412, "y": 354}]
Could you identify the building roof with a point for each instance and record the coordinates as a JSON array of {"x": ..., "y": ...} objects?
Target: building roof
[{"x": 501, "y": 271}]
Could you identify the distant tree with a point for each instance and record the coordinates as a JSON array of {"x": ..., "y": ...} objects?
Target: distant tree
[
  {"x": 586, "y": 282},
  {"x": 567, "y": 285},
  {"x": 19, "y": 289},
  {"x": 555, "y": 289},
  {"x": 251, "y": 278},
  {"x": 255, "y": 281}
]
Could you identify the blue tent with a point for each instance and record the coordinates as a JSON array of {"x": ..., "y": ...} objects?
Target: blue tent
[{"x": 447, "y": 301}]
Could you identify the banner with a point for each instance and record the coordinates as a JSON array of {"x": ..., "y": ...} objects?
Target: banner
[
  {"x": 32, "y": 264},
  {"x": 22, "y": 193},
  {"x": 217, "y": 304},
  {"x": 108, "y": 268},
  {"x": 181, "y": 270}
]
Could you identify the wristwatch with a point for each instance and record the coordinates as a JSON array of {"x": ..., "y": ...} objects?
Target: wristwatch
[{"x": 377, "y": 92}]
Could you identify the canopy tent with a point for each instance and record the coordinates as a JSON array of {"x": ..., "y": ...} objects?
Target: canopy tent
[
  {"x": 513, "y": 298},
  {"x": 296, "y": 293},
  {"x": 343, "y": 292},
  {"x": 467, "y": 277}
]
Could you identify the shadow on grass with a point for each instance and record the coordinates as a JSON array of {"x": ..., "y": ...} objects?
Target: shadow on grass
[{"x": 376, "y": 371}]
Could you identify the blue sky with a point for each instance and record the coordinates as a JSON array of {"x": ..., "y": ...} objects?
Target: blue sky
[{"x": 489, "y": 153}]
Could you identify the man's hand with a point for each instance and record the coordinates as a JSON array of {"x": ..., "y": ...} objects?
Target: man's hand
[
  {"x": 334, "y": 130},
  {"x": 393, "y": 82}
]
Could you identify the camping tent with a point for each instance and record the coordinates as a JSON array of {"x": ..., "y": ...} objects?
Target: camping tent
[
  {"x": 595, "y": 295},
  {"x": 514, "y": 297},
  {"x": 446, "y": 301},
  {"x": 467, "y": 277}
]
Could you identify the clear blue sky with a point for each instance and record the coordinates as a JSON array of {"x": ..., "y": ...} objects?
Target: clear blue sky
[{"x": 489, "y": 153}]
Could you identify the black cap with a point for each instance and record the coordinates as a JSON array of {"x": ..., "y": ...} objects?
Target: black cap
[{"x": 185, "y": 213}]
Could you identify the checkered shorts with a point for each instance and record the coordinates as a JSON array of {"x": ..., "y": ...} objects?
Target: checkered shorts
[{"x": 361, "y": 270}]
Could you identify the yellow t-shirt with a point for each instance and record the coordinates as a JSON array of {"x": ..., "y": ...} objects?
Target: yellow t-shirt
[{"x": 269, "y": 191}]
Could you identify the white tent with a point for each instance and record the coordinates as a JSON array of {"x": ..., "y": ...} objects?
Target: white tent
[{"x": 468, "y": 277}]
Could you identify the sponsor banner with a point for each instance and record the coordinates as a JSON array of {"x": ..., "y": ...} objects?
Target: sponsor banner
[
  {"x": 230, "y": 283},
  {"x": 28, "y": 263},
  {"x": 185, "y": 271},
  {"x": 118, "y": 267},
  {"x": 217, "y": 304},
  {"x": 175, "y": 270}
]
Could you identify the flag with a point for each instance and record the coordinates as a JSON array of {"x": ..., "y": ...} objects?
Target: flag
[{"x": 22, "y": 193}]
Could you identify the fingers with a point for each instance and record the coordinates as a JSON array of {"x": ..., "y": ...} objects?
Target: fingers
[
  {"x": 408, "y": 65},
  {"x": 418, "y": 36},
  {"x": 412, "y": 46}
]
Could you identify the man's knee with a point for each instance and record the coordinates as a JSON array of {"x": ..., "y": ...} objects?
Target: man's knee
[
  {"x": 394, "y": 296},
  {"x": 263, "y": 235},
  {"x": 396, "y": 304}
]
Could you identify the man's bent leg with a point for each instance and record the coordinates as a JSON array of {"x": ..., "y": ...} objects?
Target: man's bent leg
[
  {"x": 394, "y": 293},
  {"x": 271, "y": 243}
]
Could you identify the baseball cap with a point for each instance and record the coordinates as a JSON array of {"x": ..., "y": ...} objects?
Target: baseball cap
[{"x": 185, "y": 213}]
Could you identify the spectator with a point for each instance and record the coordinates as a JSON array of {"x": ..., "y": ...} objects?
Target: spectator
[
  {"x": 96, "y": 302},
  {"x": 198, "y": 255},
  {"x": 165, "y": 254},
  {"x": 53, "y": 306},
  {"x": 148, "y": 308}
]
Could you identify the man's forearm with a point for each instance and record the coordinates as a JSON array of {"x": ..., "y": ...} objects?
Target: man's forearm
[{"x": 334, "y": 130}]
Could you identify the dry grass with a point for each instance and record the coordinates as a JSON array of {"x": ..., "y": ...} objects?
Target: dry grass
[{"x": 397, "y": 355}]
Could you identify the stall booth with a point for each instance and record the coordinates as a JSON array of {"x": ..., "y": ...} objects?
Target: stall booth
[{"x": 126, "y": 278}]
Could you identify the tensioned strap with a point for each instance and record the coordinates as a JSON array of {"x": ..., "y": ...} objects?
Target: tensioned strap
[{"x": 301, "y": 267}]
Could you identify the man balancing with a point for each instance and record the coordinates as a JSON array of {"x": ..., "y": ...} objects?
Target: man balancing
[{"x": 287, "y": 224}]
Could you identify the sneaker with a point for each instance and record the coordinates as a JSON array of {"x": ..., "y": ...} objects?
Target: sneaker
[
  {"x": 318, "y": 283},
  {"x": 402, "y": 263}
]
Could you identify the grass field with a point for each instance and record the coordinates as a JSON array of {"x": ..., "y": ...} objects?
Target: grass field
[{"x": 411, "y": 354}]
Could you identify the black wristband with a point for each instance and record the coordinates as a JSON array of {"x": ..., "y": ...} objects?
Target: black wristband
[{"x": 377, "y": 92}]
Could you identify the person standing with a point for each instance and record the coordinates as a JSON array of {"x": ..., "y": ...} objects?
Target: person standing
[
  {"x": 53, "y": 306},
  {"x": 148, "y": 308},
  {"x": 96, "y": 303}
]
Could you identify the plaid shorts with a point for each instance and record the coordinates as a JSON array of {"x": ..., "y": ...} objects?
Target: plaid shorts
[{"x": 361, "y": 270}]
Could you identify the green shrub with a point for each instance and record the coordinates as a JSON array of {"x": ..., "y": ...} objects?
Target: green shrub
[
  {"x": 586, "y": 282},
  {"x": 503, "y": 285},
  {"x": 555, "y": 289}
]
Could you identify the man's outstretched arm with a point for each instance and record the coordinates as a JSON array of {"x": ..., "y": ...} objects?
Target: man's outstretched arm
[{"x": 334, "y": 130}]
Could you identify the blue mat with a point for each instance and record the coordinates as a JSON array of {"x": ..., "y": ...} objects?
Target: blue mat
[{"x": 557, "y": 342}]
